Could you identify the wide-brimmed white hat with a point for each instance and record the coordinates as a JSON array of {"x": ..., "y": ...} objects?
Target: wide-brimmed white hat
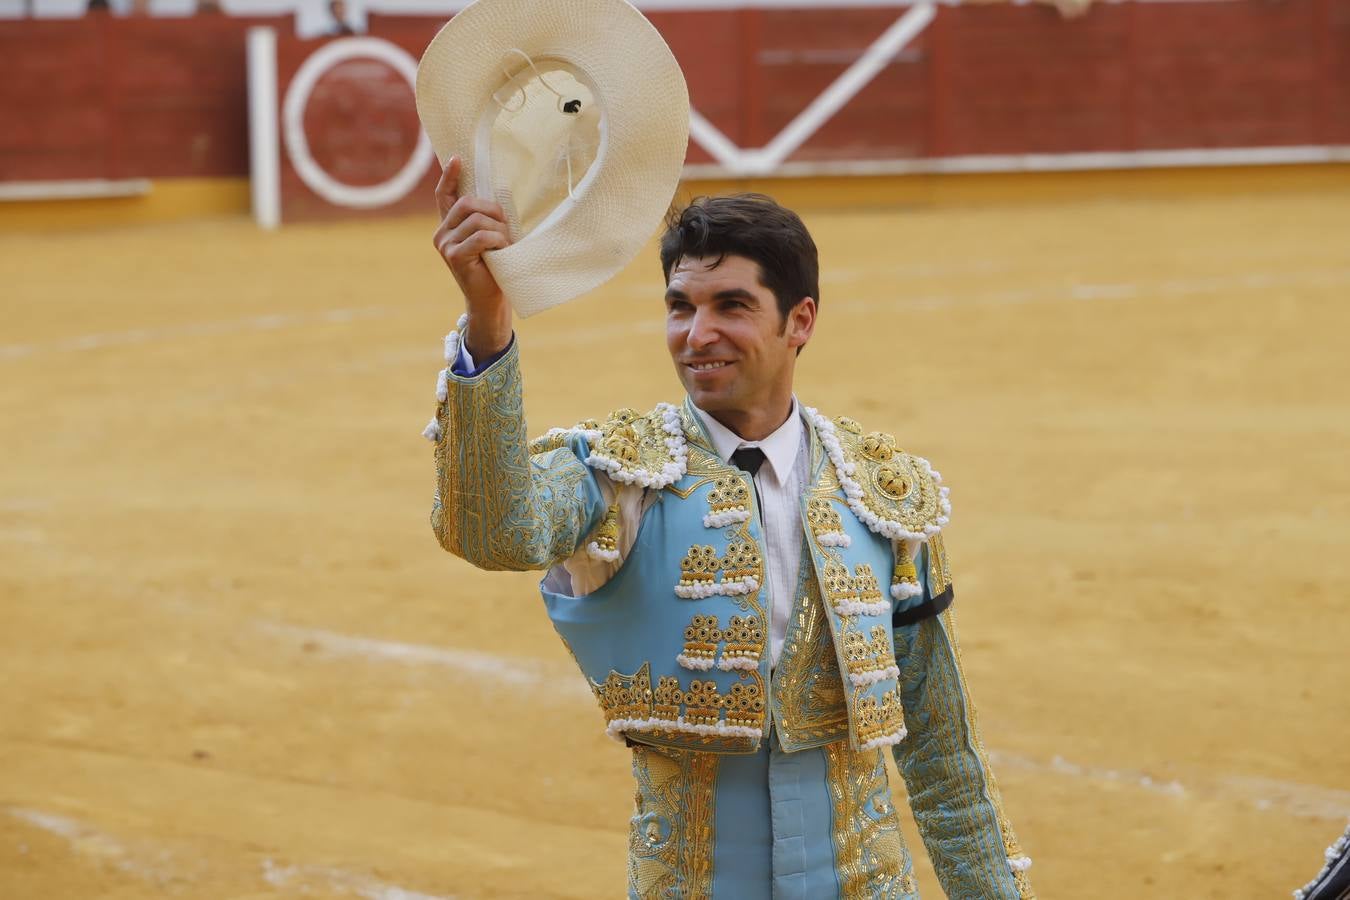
[{"x": 574, "y": 116}]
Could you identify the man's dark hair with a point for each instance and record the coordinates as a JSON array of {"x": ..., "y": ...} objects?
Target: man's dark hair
[{"x": 753, "y": 226}]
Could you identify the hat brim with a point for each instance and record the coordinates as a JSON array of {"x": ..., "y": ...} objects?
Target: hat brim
[{"x": 617, "y": 206}]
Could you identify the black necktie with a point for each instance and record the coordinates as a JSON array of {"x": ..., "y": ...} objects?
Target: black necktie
[{"x": 748, "y": 459}]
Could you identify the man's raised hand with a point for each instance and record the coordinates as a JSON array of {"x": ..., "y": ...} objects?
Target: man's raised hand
[{"x": 470, "y": 227}]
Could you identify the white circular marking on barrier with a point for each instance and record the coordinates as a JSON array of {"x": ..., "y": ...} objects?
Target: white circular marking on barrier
[{"x": 297, "y": 145}]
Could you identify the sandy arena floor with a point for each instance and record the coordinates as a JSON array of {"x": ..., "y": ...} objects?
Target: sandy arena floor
[{"x": 236, "y": 664}]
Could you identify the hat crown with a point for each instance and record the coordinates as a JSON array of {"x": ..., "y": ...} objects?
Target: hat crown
[
  {"x": 542, "y": 133},
  {"x": 625, "y": 138}
]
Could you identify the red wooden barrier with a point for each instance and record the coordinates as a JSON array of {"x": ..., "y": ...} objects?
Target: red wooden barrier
[
  {"x": 109, "y": 98},
  {"x": 102, "y": 97}
]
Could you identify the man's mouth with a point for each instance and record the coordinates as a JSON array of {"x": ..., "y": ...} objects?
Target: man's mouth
[{"x": 708, "y": 366}]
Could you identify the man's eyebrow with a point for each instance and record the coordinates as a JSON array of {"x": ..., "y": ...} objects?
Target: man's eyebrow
[
  {"x": 735, "y": 294},
  {"x": 728, "y": 294}
]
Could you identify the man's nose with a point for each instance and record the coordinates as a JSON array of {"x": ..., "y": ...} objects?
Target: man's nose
[{"x": 702, "y": 331}]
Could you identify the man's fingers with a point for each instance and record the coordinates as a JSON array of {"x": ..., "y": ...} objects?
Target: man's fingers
[
  {"x": 467, "y": 206},
  {"x": 450, "y": 241},
  {"x": 477, "y": 222},
  {"x": 447, "y": 188},
  {"x": 474, "y": 246}
]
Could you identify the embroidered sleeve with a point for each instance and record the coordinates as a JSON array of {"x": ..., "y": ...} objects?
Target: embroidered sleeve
[
  {"x": 920, "y": 598},
  {"x": 496, "y": 505},
  {"x": 952, "y": 791}
]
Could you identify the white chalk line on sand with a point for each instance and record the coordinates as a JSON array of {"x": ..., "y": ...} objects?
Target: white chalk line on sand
[
  {"x": 490, "y": 667},
  {"x": 591, "y": 333},
  {"x": 153, "y": 864},
  {"x": 602, "y": 332},
  {"x": 1305, "y": 801},
  {"x": 159, "y": 865},
  {"x": 1086, "y": 292},
  {"x": 1291, "y": 798},
  {"x": 272, "y": 322},
  {"x": 305, "y": 878}
]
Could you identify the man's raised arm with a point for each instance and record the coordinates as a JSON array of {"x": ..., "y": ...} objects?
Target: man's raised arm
[{"x": 496, "y": 506}]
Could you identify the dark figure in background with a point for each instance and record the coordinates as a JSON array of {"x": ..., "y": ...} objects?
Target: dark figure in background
[{"x": 338, "y": 10}]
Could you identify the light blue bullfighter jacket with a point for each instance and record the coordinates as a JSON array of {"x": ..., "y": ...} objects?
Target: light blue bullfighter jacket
[{"x": 752, "y": 782}]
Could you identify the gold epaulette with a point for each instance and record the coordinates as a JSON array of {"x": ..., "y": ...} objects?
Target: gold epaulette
[
  {"x": 899, "y": 495},
  {"x": 647, "y": 449},
  {"x": 558, "y": 437}
]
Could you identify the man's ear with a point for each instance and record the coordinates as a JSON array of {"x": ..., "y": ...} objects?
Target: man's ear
[{"x": 801, "y": 323}]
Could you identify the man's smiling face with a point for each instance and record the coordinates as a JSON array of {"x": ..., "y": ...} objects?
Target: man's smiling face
[{"x": 732, "y": 349}]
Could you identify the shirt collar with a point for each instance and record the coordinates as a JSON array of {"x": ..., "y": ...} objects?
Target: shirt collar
[{"x": 780, "y": 448}]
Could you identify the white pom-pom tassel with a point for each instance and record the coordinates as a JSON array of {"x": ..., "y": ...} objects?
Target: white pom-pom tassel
[
  {"x": 834, "y": 539},
  {"x": 1019, "y": 863},
  {"x": 886, "y": 740},
  {"x": 595, "y": 551},
  {"x": 462, "y": 322},
  {"x": 722, "y": 519},
  {"x": 863, "y": 679},
  {"x": 443, "y": 385},
  {"x": 451, "y": 348},
  {"x": 903, "y": 590},
  {"x": 433, "y": 430}
]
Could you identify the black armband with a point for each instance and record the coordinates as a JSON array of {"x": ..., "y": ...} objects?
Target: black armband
[{"x": 933, "y": 606}]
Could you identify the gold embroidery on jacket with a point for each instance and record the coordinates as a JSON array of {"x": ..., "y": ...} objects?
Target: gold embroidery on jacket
[
  {"x": 849, "y": 425},
  {"x": 865, "y": 656},
  {"x": 669, "y": 696},
  {"x": 701, "y": 638},
  {"x": 743, "y": 561},
  {"x": 496, "y": 506},
  {"x": 808, "y": 692},
  {"x": 702, "y": 703},
  {"x": 744, "y": 558},
  {"x": 670, "y": 843},
  {"x": 939, "y": 570},
  {"x": 878, "y": 719},
  {"x": 870, "y": 856},
  {"x": 742, "y": 571},
  {"x": 844, "y": 592},
  {"x": 846, "y": 595},
  {"x": 878, "y": 446},
  {"x": 625, "y": 696},
  {"x": 745, "y": 638},
  {"x": 699, "y": 566},
  {"x": 896, "y": 486},
  {"x": 865, "y": 584},
  {"x": 822, "y": 517},
  {"x": 1011, "y": 846},
  {"x": 558, "y": 437},
  {"x": 745, "y": 705},
  {"x": 840, "y": 588},
  {"x": 952, "y": 821},
  {"x": 606, "y": 536},
  {"x": 729, "y": 494},
  {"x": 673, "y": 713}
]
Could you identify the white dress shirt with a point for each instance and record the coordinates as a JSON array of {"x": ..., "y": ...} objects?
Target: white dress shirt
[{"x": 780, "y": 482}]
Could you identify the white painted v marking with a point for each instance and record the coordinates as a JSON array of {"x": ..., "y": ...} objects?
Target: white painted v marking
[{"x": 762, "y": 160}]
